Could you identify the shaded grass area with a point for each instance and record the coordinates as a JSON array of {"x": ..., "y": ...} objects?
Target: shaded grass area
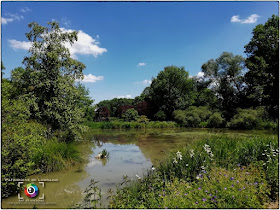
[{"x": 217, "y": 172}]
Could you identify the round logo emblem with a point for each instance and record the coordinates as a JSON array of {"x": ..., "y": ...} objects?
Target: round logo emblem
[{"x": 31, "y": 190}]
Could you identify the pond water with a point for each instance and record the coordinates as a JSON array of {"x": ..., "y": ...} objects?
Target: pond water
[{"x": 131, "y": 153}]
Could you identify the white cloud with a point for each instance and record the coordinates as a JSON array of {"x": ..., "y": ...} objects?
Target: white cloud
[
  {"x": 251, "y": 19},
  {"x": 6, "y": 20},
  {"x": 91, "y": 78},
  {"x": 200, "y": 74},
  {"x": 19, "y": 45},
  {"x": 25, "y": 9},
  {"x": 141, "y": 64},
  {"x": 235, "y": 19},
  {"x": 126, "y": 96},
  {"x": 10, "y": 18},
  {"x": 85, "y": 45}
]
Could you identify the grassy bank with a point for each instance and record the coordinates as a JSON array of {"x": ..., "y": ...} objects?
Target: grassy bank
[
  {"x": 123, "y": 125},
  {"x": 218, "y": 172}
]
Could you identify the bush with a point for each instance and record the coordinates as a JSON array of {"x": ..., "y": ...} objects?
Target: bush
[
  {"x": 193, "y": 116},
  {"x": 160, "y": 115},
  {"x": 244, "y": 119},
  {"x": 215, "y": 120},
  {"x": 130, "y": 115}
]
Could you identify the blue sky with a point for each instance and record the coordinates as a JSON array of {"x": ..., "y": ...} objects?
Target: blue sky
[{"x": 125, "y": 44}]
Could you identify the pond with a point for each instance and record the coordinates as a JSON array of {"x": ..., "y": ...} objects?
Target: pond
[{"x": 131, "y": 153}]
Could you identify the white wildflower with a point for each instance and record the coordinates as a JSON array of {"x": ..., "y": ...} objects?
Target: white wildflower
[
  {"x": 197, "y": 177},
  {"x": 191, "y": 153},
  {"x": 187, "y": 165},
  {"x": 175, "y": 161},
  {"x": 179, "y": 155},
  {"x": 138, "y": 176}
]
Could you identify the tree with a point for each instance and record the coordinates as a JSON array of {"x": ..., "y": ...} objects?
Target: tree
[
  {"x": 170, "y": 90},
  {"x": 263, "y": 66},
  {"x": 49, "y": 78},
  {"x": 130, "y": 115},
  {"x": 226, "y": 77}
]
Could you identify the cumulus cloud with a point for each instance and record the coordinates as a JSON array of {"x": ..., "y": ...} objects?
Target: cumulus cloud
[
  {"x": 10, "y": 18},
  {"x": 25, "y": 9},
  {"x": 141, "y": 64},
  {"x": 126, "y": 96},
  {"x": 19, "y": 45},
  {"x": 85, "y": 45},
  {"x": 91, "y": 78},
  {"x": 251, "y": 19}
]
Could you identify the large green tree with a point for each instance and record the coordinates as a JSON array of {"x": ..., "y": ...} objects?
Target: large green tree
[
  {"x": 49, "y": 78},
  {"x": 226, "y": 79},
  {"x": 172, "y": 89},
  {"x": 262, "y": 77}
]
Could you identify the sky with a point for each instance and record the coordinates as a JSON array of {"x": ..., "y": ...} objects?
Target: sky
[{"x": 125, "y": 44}]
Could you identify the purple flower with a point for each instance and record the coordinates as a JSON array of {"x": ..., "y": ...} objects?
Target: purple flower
[
  {"x": 199, "y": 188},
  {"x": 232, "y": 185},
  {"x": 232, "y": 178},
  {"x": 237, "y": 181},
  {"x": 246, "y": 197},
  {"x": 196, "y": 202},
  {"x": 204, "y": 199},
  {"x": 243, "y": 188},
  {"x": 186, "y": 193},
  {"x": 238, "y": 164},
  {"x": 217, "y": 180},
  {"x": 206, "y": 191},
  {"x": 225, "y": 188},
  {"x": 166, "y": 208},
  {"x": 163, "y": 190},
  {"x": 239, "y": 189},
  {"x": 163, "y": 194},
  {"x": 233, "y": 196},
  {"x": 159, "y": 205},
  {"x": 177, "y": 193},
  {"x": 220, "y": 173},
  {"x": 255, "y": 183},
  {"x": 210, "y": 194}
]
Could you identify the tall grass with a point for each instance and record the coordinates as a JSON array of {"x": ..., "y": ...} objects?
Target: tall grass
[
  {"x": 205, "y": 170},
  {"x": 55, "y": 155},
  {"x": 125, "y": 125}
]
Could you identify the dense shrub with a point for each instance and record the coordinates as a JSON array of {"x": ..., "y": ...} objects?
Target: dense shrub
[
  {"x": 215, "y": 120},
  {"x": 198, "y": 117},
  {"x": 130, "y": 115},
  {"x": 245, "y": 119},
  {"x": 160, "y": 115}
]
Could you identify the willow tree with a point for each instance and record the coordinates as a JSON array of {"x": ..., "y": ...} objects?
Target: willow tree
[{"x": 49, "y": 78}]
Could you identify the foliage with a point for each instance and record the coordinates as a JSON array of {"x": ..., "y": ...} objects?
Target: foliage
[
  {"x": 114, "y": 104},
  {"x": 246, "y": 119},
  {"x": 143, "y": 119},
  {"x": 130, "y": 115},
  {"x": 262, "y": 77},
  {"x": 226, "y": 77},
  {"x": 49, "y": 78},
  {"x": 215, "y": 173},
  {"x": 194, "y": 116},
  {"x": 215, "y": 120},
  {"x": 160, "y": 115},
  {"x": 170, "y": 90},
  {"x": 125, "y": 125}
]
